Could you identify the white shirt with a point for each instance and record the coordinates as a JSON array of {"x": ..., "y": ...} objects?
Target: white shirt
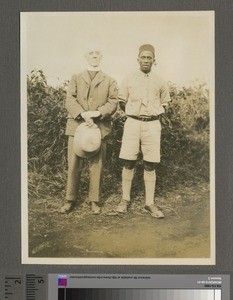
[{"x": 144, "y": 94}]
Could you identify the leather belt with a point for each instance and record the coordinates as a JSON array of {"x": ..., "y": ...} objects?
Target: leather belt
[{"x": 144, "y": 118}]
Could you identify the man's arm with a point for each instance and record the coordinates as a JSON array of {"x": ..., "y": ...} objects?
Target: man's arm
[
  {"x": 164, "y": 94},
  {"x": 73, "y": 107},
  {"x": 123, "y": 95},
  {"x": 122, "y": 104},
  {"x": 165, "y": 99},
  {"x": 110, "y": 106}
]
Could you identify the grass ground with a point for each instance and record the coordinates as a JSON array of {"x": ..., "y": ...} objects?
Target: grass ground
[{"x": 183, "y": 233}]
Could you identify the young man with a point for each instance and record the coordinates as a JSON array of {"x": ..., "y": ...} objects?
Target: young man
[
  {"x": 144, "y": 96},
  {"x": 91, "y": 98}
]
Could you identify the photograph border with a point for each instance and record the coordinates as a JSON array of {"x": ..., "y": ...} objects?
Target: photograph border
[
  {"x": 106, "y": 261},
  {"x": 10, "y": 221}
]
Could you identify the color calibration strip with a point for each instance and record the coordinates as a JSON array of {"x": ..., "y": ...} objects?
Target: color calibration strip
[{"x": 137, "y": 294}]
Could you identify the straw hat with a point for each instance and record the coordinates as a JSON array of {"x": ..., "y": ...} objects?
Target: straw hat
[{"x": 87, "y": 140}]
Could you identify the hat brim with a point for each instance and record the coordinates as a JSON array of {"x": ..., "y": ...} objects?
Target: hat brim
[
  {"x": 87, "y": 141},
  {"x": 84, "y": 154}
]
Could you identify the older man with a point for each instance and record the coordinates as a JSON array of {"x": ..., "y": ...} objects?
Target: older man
[
  {"x": 144, "y": 96},
  {"x": 91, "y": 98}
]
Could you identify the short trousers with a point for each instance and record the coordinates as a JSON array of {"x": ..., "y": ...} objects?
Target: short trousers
[{"x": 141, "y": 135}]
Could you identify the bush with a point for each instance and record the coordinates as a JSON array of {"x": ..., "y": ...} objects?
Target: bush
[
  {"x": 46, "y": 124},
  {"x": 185, "y": 138}
]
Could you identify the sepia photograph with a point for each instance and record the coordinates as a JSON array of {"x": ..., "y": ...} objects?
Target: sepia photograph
[{"x": 117, "y": 138}]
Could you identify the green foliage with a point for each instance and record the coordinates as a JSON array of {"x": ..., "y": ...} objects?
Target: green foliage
[
  {"x": 46, "y": 124},
  {"x": 185, "y": 134},
  {"x": 185, "y": 139}
]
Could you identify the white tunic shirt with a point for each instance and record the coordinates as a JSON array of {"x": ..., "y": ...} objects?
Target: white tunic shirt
[{"x": 144, "y": 94}]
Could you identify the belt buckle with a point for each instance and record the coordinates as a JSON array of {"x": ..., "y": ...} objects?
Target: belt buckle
[
  {"x": 146, "y": 119},
  {"x": 143, "y": 119}
]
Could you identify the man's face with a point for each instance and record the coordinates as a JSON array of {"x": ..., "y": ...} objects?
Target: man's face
[
  {"x": 93, "y": 58},
  {"x": 146, "y": 60}
]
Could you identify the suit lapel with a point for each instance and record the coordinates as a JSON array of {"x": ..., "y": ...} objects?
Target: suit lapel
[
  {"x": 98, "y": 78},
  {"x": 87, "y": 80},
  {"x": 86, "y": 77}
]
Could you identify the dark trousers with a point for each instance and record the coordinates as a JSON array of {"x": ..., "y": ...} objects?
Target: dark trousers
[{"x": 96, "y": 164}]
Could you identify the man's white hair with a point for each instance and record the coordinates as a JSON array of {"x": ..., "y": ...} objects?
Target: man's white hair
[{"x": 92, "y": 48}]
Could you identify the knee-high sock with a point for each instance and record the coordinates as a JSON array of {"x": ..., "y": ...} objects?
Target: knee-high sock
[
  {"x": 149, "y": 179},
  {"x": 127, "y": 177}
]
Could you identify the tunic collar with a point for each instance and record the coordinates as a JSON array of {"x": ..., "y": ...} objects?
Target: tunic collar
[{"x": 145, "y": 75}]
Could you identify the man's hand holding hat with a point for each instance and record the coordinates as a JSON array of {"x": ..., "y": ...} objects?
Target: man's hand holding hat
[{"x": 89, "y": 115}]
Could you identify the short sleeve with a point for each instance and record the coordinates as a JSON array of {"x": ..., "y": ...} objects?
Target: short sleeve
[
  {"x": 123, "y": 91},
  {"x": 164, "y": 94}
]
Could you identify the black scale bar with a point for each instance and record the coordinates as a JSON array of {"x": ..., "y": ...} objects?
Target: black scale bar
[
  {"x": 14, "y": 287},
  {"x": 26, "y": 287}
]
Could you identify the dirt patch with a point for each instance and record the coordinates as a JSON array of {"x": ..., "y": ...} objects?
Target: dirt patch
[{"x": 183, "y": 233}]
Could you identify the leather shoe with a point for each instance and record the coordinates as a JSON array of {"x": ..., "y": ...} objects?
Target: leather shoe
[
  {"x": 154, "y": 211},
  {"x": 122, "y": 206},
  {"x": 95, "y": 208},
  {"x": 68, "y": 207}
]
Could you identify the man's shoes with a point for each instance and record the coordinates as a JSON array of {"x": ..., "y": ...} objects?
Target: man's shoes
[
  {"x": 154, "y": 211},
  {"x": 68, "y": 207},
  {"x": 95, "y": 208},
  {"x": 122, "y": 206}
]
